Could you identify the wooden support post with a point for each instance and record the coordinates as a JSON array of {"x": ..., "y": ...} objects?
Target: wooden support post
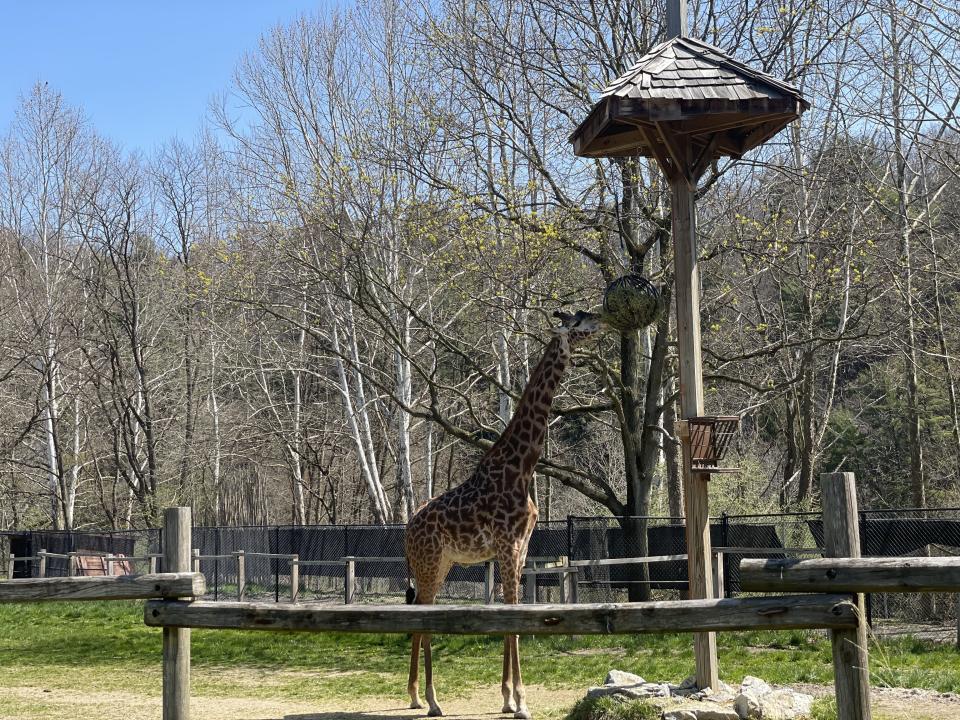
[
  {"x": 195, "y": 557},
  {"x": 241, "y": 575},
  {"x": 699, "y": 559},
  {"x": 349, "y": 581},
  {"x": 489, "y": 584},
  {"x": 43, "y": 562},
  {"x": 295, "y": 578},
  {"x": 177, "y": 529},
  {"x": 530, "y": 587},
  {"x": 10, "y": 566},
  {"x": 109, "y": 562},
  {"x": 71, "y": 564},
  {"x": 565, "y": 584},
  {"x": 153, "y": 564},
  {"x": 718, "y": 577},
  {"x": 841, "y": 538}
]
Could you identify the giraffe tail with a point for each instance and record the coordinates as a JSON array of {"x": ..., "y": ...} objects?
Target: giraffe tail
[{"x": 411, "y": 591}]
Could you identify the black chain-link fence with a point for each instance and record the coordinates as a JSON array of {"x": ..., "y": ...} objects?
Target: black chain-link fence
[{"x": 326, "y": 561}]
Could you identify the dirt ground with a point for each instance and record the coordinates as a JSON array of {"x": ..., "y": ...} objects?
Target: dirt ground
[{"x": 38, "y": 703}]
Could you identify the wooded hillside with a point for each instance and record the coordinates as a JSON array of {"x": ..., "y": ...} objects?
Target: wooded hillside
[{"x": 325, "y": 305}]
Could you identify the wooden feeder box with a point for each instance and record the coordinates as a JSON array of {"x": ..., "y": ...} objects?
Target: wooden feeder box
[{"x": 710, "y": 438}]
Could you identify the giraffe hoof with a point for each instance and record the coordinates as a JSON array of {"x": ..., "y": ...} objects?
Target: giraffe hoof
[
  {"x": 522, "y": 714},
  {"x": 435, "y": 712},
  {"x": 416, "y": 705},
  {"x": 508, "y": 709}
]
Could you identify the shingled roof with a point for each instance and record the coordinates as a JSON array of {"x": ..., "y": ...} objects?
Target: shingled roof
[{"x": 686, "y": 87}]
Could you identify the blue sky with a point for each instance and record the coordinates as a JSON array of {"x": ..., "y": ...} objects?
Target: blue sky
[{"x": 142, "y": 71}]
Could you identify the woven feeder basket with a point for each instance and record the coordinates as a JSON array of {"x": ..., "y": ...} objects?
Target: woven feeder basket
[{"x": 631, "y": 302}]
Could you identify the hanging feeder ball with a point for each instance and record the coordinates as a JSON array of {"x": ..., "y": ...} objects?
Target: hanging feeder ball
[{"x": 631, "y": 302}]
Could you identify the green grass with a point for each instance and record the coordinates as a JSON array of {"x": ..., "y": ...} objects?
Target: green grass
[
  {"x": 109, "y": 640},
  {"x": 607, "y": 708}
]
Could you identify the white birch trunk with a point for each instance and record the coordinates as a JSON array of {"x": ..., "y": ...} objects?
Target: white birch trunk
[{"x": 404, "y": 392}]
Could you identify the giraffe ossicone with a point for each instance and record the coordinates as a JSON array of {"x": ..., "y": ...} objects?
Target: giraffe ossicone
[{"x": 490, "y": 515}]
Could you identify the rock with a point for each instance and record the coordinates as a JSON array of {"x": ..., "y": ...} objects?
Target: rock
[
  {"x": 619, "y": 677},
  {"x": 747, "y": 705},
  {"x": 701, "y": 711},
  {"x": 678, "y": 714},
  {"x": 627, "y": 692},
  {"x": 785, "y": 704},
  {"x": 780, "y": 704},
  {"x": 754, "y": 685}
]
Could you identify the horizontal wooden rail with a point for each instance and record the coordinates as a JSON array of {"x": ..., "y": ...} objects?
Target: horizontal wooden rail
[
  {"x": 804, "y": 611},
  {"x": 558, "y": 570},
  {"x": 116, "y": 587},
  {"x": 743, "y": 550},
  {"x": 859, "y": 575},
  {"x": 628, "y": 561}
]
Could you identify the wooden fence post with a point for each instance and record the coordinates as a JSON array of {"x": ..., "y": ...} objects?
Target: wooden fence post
[
  {"x": 294, "y": 578},
  {"x": 841, "y": 538},
  {"x": 43, "y": 562},
  {"x": 10, "y": 566},
  {"x": 530, "y": 586},
  {"x": 349, "y": 580},
  {"x": 195, "y": 557},
  {"x": 695, "y": 484},
  {"x": 718, "y": 576},
  {"x": 71, "y": 564},
  {"x": 152, "y": 563},
  {"x": 177, "y": 528},
  {"x": 241, "y": 574},
  {"x": 489, "y": 582}
]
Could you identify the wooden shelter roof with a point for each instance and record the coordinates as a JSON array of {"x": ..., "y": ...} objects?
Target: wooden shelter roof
[{"x": 690, "y": 90}]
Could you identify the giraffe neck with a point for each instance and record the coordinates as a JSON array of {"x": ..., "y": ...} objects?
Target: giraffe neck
[{"x": 522, "y": 440}]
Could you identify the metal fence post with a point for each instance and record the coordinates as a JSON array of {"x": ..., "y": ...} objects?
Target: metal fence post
[
  {"x": 276, "y": 566},
  {"x": 216, "y": 564},
  {"x": 489, "y": 583}
]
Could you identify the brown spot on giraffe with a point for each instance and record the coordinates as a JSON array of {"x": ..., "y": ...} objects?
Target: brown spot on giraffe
[{"x": 491, "y": 514}]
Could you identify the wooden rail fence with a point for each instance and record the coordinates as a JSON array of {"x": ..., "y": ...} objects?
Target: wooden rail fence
[{"x": 832, "y": 601}]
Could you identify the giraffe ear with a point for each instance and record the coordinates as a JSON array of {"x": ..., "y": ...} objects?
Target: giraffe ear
[{"x": 566, "y": 319}]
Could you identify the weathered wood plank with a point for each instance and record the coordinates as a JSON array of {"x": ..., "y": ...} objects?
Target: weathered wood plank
[
  {"x": 802, "y": 611},
  {"x": 860, "y": 575},
  {"x": 106, "y": 587}
]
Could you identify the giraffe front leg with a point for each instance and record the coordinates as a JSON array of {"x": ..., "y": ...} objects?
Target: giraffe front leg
[
  {"x": 434, "y": 710},
  {"x": 506, "y": 687}
]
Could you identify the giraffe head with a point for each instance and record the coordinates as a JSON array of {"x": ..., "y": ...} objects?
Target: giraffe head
[{"x": 578, "y": 327}]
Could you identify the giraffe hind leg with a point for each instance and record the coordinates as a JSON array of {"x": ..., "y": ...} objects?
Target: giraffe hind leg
[
  {"x": 427, "y": 589},
  {"x": 510, "y": 560},
  {"x": 413, "y": 682}
]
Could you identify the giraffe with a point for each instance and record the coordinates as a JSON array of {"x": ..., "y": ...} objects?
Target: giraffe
[{"x": 491, "y": 514}]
